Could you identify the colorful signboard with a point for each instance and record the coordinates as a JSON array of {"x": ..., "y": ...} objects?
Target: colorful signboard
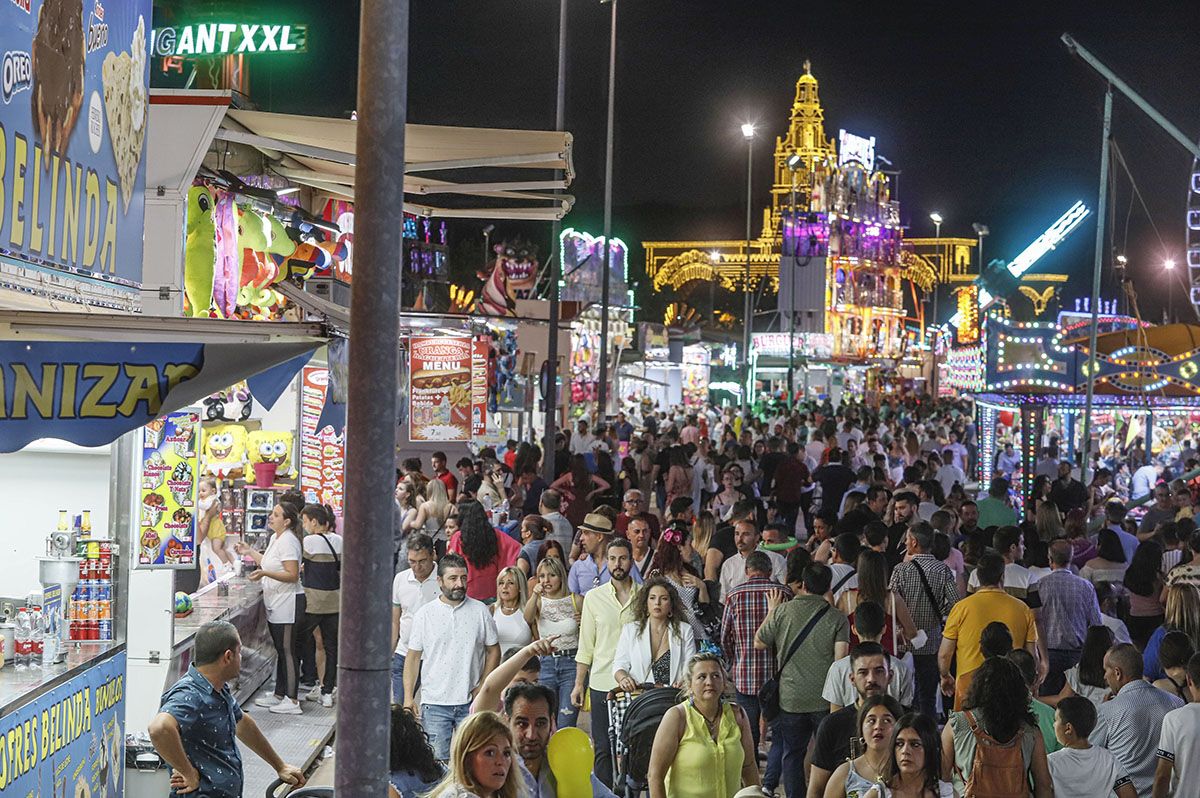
[
  {"x": 70, "y": 740},
  {"x": 815, "y": 345},
  {"x": 856, "y": 149},
  {"x": 228, "y": 38},
  {"x": 73, "y": 118},
  {"x": 167, "y": 530},
  {"x": 480, "y": 349},
  {"x": 322, "y": 451},
  {"x": 439, "y": 387}
]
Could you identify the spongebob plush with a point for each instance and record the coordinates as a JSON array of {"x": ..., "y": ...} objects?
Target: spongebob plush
[
  {"x": 270, "y": 447},
  {"x": 224, "y": 451}
]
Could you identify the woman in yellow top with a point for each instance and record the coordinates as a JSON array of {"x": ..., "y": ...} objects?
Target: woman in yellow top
[{"x": 703, "y": 747}]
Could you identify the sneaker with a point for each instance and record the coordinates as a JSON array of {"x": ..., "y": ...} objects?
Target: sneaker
[
  {"x": 308, "y": 687},
  {"x": 313, "y": 694},
  {"x": 268, "y": 700},
  {"x": 287, "y": 706},
  {"x": 327, "y": 700}
]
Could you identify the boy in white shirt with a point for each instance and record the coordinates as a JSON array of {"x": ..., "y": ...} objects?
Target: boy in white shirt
[
  {"x": 1179, "y": 744},
  {"x": 1080, "y": 769}
]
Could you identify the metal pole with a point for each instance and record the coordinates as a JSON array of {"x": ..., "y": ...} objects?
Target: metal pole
[
  {"x": 747, "y": 310},
  {"x": 602, "y": 409},
  {"x": 365, "y": 665},
  {"x": 551, "y": 431},
  {"x": 937, "y": 279},
  {"x": 792, "y": 307},
  {"x": 1086, "y": 466}
]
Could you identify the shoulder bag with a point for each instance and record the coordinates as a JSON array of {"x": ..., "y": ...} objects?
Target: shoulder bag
[{"x": 768, "y": 694}]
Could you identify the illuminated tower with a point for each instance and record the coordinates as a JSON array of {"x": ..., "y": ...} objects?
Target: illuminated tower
[{"x": 806, "y": 138}]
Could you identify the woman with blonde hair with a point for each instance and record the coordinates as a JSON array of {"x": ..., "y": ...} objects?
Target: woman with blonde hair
[
  {"x": 1182, "y": 614},
  {"x": 703, "y": 747},
  {"x": 433, "y": 512},
  {"x": 512, "y": 591},
  {"x": 553, "y": 612},
  {"x": 482, "y": 761}
]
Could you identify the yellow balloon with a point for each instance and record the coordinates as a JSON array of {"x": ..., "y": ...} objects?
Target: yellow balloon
[{"x": 571, "y": 760}]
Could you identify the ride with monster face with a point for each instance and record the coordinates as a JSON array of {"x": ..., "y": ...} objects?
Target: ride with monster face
[{"x": 512, "y": 277}]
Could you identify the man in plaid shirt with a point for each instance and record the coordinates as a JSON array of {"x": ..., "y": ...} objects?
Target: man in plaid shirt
[
  {"x": 928, "y": 615},
  {"x": 745, "y": 610}
]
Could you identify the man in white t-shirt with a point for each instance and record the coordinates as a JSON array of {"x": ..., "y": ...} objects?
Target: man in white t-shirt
[
  {"x": 746, "y": 538},
  {"x": 456, "y": 635},
  {"x": 1080, "y": 769},
  {"x": 581, "y": 441},
  {"x": 412, "y": 589},
  {"x": 1178, "y": 754}
]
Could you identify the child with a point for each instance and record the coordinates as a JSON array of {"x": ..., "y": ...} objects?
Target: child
[{"x": 1080, "y": 769}]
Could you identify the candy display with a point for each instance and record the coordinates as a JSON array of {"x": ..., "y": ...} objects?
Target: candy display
[{"x": 169, "y": 472}]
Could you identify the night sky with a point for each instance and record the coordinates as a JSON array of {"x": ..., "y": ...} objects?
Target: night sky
[{"x": 986, "y": 114}]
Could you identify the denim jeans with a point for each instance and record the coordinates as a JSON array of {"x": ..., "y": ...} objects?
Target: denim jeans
[
  {"x": 558, "y": 673},
  {"x": 1061, "y": 661},
  {"x": 749, "y": 705},
  {"x": 440, "y": 721},
  {"x": 398, "y": 678},
  {"x": 792, "y": 731},
  {"x": 927, "y": 683}
]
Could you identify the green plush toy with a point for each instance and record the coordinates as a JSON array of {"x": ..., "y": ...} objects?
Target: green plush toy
[{"x": 200, "y": 253}]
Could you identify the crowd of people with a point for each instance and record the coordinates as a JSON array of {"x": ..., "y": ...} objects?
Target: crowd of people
[{"x": 816, "y": 604}]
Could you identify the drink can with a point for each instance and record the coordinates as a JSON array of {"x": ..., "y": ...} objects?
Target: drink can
[
  {"x": 105, "y": 566},
  {"x": 93, "y": 549},
  {"x": 101, "y": 591},
  {"x": 105, "y": 549},
  {"x": 85, "y": 591},
  {"x": 81, "y": 549},
  {"x": 104, "y": 629},
  {"x": 93, "y": 630},
  {"x": 76, "y": 629},
  {"x": 104, "y": 610}
]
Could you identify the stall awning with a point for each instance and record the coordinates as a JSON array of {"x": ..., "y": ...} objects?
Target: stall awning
[
  {"x": 487, "y": 163},
  {"x": 90, "y": 378}
]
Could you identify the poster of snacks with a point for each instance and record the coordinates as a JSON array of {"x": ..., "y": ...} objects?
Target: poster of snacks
[
  {"x": 167, "y": 529},
  {"x": 323, "y": 451},
  {"x": 73, "y": 118},
  {"x": 439, "y": 388}
]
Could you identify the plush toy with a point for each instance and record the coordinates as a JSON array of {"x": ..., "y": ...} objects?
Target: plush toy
[
  {"x": 228, "y": 272},
  {"x": 270, "y": 447},
  {"x": 310, "y": 257},
  {"x": 224, "y": 451},
  {"x": 200, "y": 251}
]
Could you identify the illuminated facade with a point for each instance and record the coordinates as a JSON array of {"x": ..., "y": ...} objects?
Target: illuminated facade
[{"x": 840, "y": 244}]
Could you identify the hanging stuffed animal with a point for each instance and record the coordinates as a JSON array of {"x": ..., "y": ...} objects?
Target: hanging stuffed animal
[
  {"x": 228, "y": 271},
  {"x": 200, "y": 251}
]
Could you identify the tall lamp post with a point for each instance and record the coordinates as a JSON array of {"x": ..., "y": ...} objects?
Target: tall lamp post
[
  {"x": 793, "y": 164},
  {"x": 605, "y": 284},
  {"x": 748, "y": 134},
  {"x": 1169, "y": 268},
  {"x": 555, "y": 311},
  {"x": 936, "y": 218}
]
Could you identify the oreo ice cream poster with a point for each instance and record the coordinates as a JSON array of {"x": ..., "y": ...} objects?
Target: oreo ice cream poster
[
  {"x": 73, "y": 118},
  {"x": 166, "y": 532}
]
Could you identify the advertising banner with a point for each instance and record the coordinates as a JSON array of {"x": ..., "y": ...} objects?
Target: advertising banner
[
  {"x": 167, "y": 533},
  {"x": 479, "y": 385},
  {"x": 439, "y": 385},
  {"x": 91, "y": 393},
  {"x": 323, "y": 450},
  {"x": 73, "y": 117},
  {"x": 70, "y": 740}
]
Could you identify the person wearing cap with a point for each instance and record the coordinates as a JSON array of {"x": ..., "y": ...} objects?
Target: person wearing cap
[{"x": 591, "y": 570}]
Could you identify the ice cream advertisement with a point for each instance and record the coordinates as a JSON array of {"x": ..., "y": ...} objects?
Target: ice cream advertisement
[
  {"x": 73, "y": 117},
  {"x": 166, "y": 533}
]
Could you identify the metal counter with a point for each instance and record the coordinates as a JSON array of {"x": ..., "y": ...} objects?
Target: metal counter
[
  {"x": 18, "y": 688},
  {"x": 239, "y": 601}
]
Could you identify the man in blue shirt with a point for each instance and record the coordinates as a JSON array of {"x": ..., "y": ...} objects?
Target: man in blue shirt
[
  {"x": 195, "y": 728},
  {"x": 591, "y": 570}
]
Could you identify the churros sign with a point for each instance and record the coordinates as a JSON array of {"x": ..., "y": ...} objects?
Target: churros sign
[{"x": 439, "y": 385}]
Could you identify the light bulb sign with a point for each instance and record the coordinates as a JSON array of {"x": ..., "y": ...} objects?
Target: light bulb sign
[
  {"x": 856, "y": 149},
  {"x": 228, "y": 38}
]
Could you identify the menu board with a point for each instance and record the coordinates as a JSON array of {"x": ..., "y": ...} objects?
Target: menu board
[
  {"x": 167, "y": 530},
  {"x": 323, "y": 451},
  {"x": 439, "y": 388}
]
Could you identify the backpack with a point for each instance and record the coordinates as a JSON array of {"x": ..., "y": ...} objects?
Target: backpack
[{"x": 998, "y": 769}]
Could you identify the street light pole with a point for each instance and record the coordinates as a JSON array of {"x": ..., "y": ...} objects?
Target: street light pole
[
  {"x": 560, "y": 103},
  {"x": 1085, "y": 467},
  {"x": 937, "y": 220},
  {"x": 748, "y": 133},
  {"x": 1169, "y": 266},
  {"x": 602, "y": 396},
  {"x": 791, "y": 264}
]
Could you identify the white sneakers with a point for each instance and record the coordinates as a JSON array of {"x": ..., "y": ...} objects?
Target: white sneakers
[
  {"x": 286, "y": 706},
  {"x": 315, "y": 694},
  {"x": 327, "y": 700},
  {"x": 267, "y": 701}
]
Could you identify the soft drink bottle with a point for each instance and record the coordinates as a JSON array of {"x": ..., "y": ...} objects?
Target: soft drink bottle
[
  {"x": 21, "y": 639},
  {"x": 37, "y": 637}
]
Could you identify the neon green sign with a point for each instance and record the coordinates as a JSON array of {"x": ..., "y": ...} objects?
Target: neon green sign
[{"x": 228, "y": 38}]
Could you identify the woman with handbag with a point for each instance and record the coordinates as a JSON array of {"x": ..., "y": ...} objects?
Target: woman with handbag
[{"x": 322, "y": 580}]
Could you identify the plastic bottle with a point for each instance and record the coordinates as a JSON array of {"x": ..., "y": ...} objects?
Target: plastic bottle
[
  {"x": 22, "y": 639},
  {"x": 37, "y": 637}
]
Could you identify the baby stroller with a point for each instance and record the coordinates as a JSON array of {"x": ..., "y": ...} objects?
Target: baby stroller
[
  {"x": 303, "y": 792},
  {"x": 641, "y": 722}
]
